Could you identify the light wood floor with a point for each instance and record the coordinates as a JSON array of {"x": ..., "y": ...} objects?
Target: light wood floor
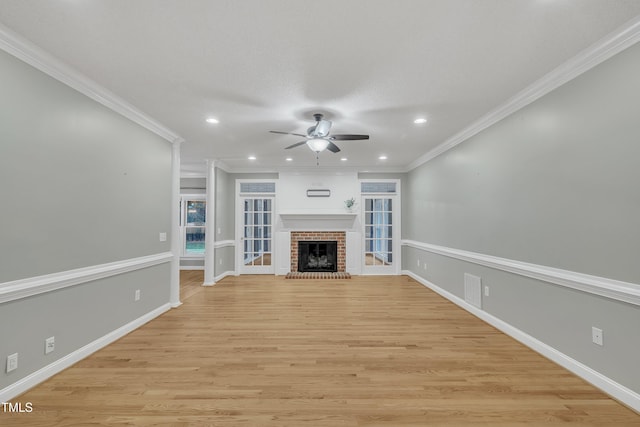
[{"x": 264, "y": 351}]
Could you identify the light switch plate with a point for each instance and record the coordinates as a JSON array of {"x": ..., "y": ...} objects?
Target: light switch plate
[
  {"x": 49, "y": 345},
  {"x": 12, "y": 362}
]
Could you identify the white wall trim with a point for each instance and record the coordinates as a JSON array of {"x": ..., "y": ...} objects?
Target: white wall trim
[
  {"x": 17, "y": 289},
  {"x": 610, "y": 288},
  {"x": 192, "y": 267},
  {"x": 225, "y": 243},
  {"x": 595, "y": 54},
  {"x": 28, "y": 52},
  {"x": 42, "y": 374},
  {"x": 220, "y": 277},
  {"x": 604, "y": 383}
]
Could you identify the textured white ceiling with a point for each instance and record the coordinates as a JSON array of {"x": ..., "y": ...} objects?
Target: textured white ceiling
[{"x": 372, "y": 66}]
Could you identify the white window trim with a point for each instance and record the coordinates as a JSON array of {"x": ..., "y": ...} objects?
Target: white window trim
[{"x": 397, "y": 225}]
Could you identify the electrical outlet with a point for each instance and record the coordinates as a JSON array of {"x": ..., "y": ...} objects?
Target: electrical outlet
[
  {"x": 597, "y": 336},
  {"x": 137, "y": 295},
  {"x": 12, "y": 362},
  {"x": 49, "y": 345},
  {"x": 163, "y": 237},
  {"x": 486, "y": 291},
  {"x": 220, "y": 261},
  {"x": 424, "y": 264},
  {"x": 219, "y": 230},
  {"x": 418, "y": 262}
]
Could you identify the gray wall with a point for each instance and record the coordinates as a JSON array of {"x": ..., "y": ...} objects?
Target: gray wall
[
  {"x": 193, "y": 185},
  {"x": 225, "y": 205},
  {"x": 225, "y": 221},
  {"x": 81, "y": 186},
  {"x": 555, "y": 184}
]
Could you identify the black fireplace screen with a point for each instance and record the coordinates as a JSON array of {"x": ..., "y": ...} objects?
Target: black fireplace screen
[{"x": 317, "y": 256}]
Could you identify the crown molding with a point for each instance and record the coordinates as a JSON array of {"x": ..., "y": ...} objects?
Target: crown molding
[
  {"x": 605, "y": 48},
  {"x": 28, "y": 52}
]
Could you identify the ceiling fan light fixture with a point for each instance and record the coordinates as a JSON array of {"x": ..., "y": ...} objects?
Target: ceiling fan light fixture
[
  {"x": 420, "y": 121},
  {"x": 318, "y": 144}
]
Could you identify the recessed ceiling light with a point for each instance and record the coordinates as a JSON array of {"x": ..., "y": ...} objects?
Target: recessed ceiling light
[
  {"x": 212, "y": 120},
  {"x": 382, "y": 158},
  {"x": 420, "y": 121},
  {"x": 344, "y": 159},
  {"x": 289, "y": 159},
  {"x": 251, "y": 157}
]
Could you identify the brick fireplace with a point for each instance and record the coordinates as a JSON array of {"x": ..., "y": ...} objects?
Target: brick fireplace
[{"x": 338, "y": 236}]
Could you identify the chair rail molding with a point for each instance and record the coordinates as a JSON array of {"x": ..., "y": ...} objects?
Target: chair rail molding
[
  {"x": 22, "y": 288},
  {"x": 610, "y": 288}
]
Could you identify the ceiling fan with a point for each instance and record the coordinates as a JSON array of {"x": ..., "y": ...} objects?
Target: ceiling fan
[{"x": 318, "y": 138}]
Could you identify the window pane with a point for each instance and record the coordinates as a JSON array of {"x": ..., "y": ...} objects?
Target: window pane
[
  {"x": 368, "y": 245},
  {"x": 388, "y": 204},
  {"x": 267, "y": 205},
  {"x": 368, "y": 218},
  {"x": 196, "y": 212},
  {"x": 368, "y": 232},
  {"x": 368, "y": 205},
  {"x": 267, "y": 232},
  {"x": 194, "y": 240},
  {"x": 257, "y": 206}
]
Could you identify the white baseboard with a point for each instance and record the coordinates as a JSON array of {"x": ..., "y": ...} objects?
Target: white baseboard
[
  {"x": 42, "y": 374},
  {"x": 192, "y": 267},
  {"x": 220, "y": 277},
  {"x": 604, "y": 383}
]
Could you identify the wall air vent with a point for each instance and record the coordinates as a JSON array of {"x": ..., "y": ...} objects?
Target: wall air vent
[{"x": 473, "y": 290}]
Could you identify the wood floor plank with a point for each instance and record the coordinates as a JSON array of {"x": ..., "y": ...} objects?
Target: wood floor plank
[{"x": 265, "y": 351}]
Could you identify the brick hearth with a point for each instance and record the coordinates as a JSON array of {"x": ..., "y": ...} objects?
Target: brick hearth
[{"x": 339, "y": 236}]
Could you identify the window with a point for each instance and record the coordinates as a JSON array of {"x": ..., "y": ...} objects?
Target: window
[{"x": 193, "y": 218}]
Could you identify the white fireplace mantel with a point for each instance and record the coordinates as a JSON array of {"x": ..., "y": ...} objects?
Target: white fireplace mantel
[{"x": 318, "y": 220}]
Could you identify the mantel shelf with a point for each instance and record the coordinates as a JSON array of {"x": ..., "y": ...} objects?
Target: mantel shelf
[
  {"x": 318, "y": 215},
  {"x": 318, "y": 220}
]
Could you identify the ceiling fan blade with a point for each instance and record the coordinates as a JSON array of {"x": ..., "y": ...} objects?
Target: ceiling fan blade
[
  {"x": 288, "y": 133},
  {"x": 333, "y": 147},
  {"x": 348, "y": 137},
  {"x": 295, "y": 145}
]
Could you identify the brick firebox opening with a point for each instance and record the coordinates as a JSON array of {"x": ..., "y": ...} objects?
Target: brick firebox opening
[{"x": 338, "y": 236}]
